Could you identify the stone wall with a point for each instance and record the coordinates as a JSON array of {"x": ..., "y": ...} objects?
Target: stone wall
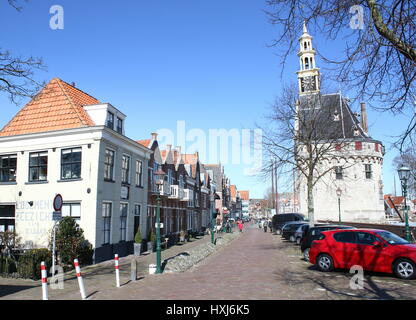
[{"x": 189, "y": 258}]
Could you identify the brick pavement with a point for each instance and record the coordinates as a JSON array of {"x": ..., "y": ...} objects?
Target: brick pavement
[
  {"x": 256, "y": 265},
  {"x": 99, "y": 277}
]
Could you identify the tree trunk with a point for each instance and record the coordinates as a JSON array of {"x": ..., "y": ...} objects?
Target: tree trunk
[{"x": 310, "y": 203}]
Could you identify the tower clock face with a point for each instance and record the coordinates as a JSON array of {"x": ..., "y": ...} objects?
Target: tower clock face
[{"x": 308, "y": 83}]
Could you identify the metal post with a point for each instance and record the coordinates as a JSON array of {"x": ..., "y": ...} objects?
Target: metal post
[
  {"x": 407, "y": 231},
  {"x": 158, "y": 249},
  {"x": 53, "y": 249},
  {"x": 339, "y": 208},
  {"x": 133, "y": 270}
]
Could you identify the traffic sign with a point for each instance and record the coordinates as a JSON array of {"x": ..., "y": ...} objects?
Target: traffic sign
[
  {"x": 56, "y": 215},
  {"x": 57, "y": 202}
]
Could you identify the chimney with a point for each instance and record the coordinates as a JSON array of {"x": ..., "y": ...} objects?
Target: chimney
[
  {"x": 73, "y": 84},
  {"x": 169, "y": 147},
  {"x": 364, "y": 122},
  {"x": 154, "y": 135}
]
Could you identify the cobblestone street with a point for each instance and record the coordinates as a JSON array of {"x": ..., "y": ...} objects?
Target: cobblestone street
[{"x": 256, "y": 265}]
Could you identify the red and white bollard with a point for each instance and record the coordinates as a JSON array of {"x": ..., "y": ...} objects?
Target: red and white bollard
[
  {"x": 44, "y": 281},
  {"x": 117, "y": 271},
  {"x": 80, "y": 282}
]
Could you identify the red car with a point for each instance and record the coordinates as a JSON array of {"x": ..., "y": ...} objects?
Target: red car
[{"x": 373, "y": 250}]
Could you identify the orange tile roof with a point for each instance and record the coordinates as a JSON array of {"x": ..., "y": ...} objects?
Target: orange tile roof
[
  {"x": 57, "y": 106},
  {"x": 233, "y": 191},
  {"x": 245, "y": 195},
  {"x": 189, "y": 158},
  {"x": 144, "y": 142},
  {"x": 396, "y": 200}
]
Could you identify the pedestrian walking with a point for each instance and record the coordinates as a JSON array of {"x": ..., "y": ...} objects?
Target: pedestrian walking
[
  {"x": 270, "y": 225},
  {"x": 265, "y": 225},
  {"x": 240, "y": 225}
]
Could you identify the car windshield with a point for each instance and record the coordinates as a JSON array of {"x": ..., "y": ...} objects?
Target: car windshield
[{"x": 391, "y": 237}]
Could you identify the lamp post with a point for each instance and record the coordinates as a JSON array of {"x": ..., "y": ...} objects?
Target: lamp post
[
  {"x": 159, "y": 182},
  {"x": 404, "y": 175},
  {"x": 339, "y": 193}
]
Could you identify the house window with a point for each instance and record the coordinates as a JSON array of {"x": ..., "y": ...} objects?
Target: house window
[
  {"x": 125, "y": 169},
  {"x": 376, "y": 146},
  {"x": 106, "y": 214},
  {"x": 109, "y": 165},
  {"x": 338, "y": 172},
  {"x": 119, "y": 125},
  {"x": 368, "y": 171},
  {"x": 139, "y": 173},
  {"x": 358, "y": 145},
  {"x": 110, "y": 120},
  {"x": 71, "y": 163},
  {"x": 38, "y": 166},
  {"x": 72, "y": 210},
  {"x": 170, "y": 177},
  {"x": 123, "y": 221},
  {"x": 8, "y": 166},
  {"x": 137, "y": 212}
]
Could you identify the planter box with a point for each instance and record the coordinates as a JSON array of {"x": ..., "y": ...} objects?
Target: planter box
[
  {"x": 150, "y": 246},
  {"x": 137, "y": 249}
]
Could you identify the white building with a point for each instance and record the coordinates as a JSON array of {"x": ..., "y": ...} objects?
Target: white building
[
  {"x": 65, "y": 141},
  {"x": 354, "y": 165}
]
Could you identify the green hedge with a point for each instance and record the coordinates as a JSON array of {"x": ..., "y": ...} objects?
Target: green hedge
[
  {"x": 7, "y": 265},
  {"x": 28, "y": 265}
]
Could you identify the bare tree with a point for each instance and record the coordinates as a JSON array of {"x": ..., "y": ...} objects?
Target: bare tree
[
  {"x": 17, "y": 74},
  {"x": 305, "y": 134},
  {"x": 379, "y": 59},
  {"x": 408, "y": 158}
]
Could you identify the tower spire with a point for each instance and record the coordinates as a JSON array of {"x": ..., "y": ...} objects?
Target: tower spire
[{"x": 308, "y": 75}]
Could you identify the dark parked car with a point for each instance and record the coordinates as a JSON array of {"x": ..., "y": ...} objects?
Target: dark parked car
[
  {"x": 314, "y": 233},
  {"x": 279, "y": 220},
  {"x": 288, "y": 230}
]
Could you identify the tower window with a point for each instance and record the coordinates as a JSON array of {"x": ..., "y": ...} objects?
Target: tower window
[
  {"x": 368, "y": 171},
  {"x": 306, "y": 63},
  {"x": 305, "y": 45},
  {"x": 338, "y": 172}
]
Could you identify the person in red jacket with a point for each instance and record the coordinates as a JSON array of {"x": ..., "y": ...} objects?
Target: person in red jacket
[{"x": 240, "y": 225}]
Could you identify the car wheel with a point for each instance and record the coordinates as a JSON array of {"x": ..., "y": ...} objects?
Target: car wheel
[
  {"x": 306, "y": 254},
  {"x": 324, "y": 262},
  {"x": 292, "y": 239},
  {"x": 404, "y": 269},
  {"x": 298, "y": 241}
]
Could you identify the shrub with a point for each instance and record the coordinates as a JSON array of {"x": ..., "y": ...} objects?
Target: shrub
[
  {"x": 7, "y": 265},
  {"x": 138, "y": 237},
  {"x": 28, "y": 265},
  {"x": 71, "y": 244},
  {"x": 152, "y": 236}
]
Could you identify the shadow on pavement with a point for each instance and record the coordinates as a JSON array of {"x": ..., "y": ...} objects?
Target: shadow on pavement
[{"x": 10, "y": 289}]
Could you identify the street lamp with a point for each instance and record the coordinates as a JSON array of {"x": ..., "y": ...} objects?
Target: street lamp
[
  {"x": 160, "y": 175},
  {"x": 404, "y": 176},
  {"x": 339, "y": 193}
]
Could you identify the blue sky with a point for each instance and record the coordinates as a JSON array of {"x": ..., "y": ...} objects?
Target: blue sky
[{"x": 162, "y": 61}]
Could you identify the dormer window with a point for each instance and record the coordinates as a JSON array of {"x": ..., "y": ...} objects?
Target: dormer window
[
  {"x": 110, "y": 120},
  {"x": 119, "y": 125},
  {"x": 356, "y": 132},
  {"x": 336, "y": 116}
]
